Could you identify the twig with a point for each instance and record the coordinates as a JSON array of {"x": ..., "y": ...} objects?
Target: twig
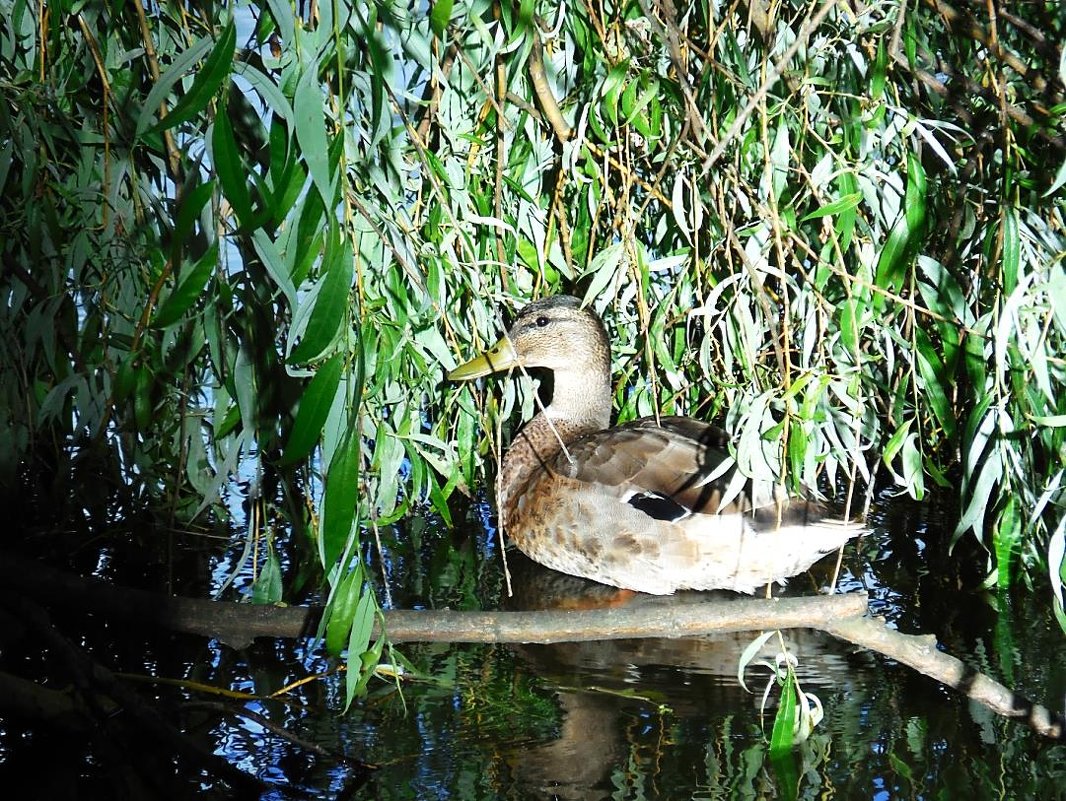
[
  {"x": 771, "y": 78},
  {"x": 548, "y": 104}
]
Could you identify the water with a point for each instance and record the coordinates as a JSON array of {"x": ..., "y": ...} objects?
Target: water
[{"x": 644, "y": 719}]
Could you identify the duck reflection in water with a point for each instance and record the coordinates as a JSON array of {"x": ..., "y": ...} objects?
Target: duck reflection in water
[{"x": 605, "y": 688}]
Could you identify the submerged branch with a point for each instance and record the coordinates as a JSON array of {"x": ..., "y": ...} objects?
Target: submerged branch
[
  {"x": 843, "y": 616},
  {"x": 921, "y": 653}
]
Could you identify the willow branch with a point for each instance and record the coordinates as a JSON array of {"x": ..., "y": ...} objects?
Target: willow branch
[{"x": 545, "y": 98}]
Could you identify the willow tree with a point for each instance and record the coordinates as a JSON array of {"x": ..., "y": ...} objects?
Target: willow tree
[{"x": 248, "y": 241}]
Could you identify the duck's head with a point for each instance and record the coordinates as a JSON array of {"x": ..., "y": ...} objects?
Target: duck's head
[{"x": 555, "y": 333}]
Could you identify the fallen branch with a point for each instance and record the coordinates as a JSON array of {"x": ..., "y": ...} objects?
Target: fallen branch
[
  {"x": 668, "y": 621},
  {"x": 842, "y": 616},
  {"x": 237, "y": 624}
]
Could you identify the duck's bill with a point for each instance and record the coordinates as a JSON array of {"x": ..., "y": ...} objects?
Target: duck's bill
[{"x": 496, "y": 359}]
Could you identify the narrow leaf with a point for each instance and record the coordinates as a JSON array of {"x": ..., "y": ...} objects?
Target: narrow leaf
[
  {"x": 358, "y": 643},
  {"x": 193, "y": 200},
  {"x": 784, "y": 733},
  {"x": 1011, "y": 250},
  {"x": 749, "y": 654},
  {"x": 839, "y": 205},
  {"x": 342, "y": 608},
  {"x": 340, "y": 496},
  {"x": 315, "y": 404},
  {"x": 186, "y": 293},
  {"x": 230, "y": 169},
  {"x": 182, "y": 64},
  {"x": 331, "y": 303},
  {"x": 268, "y": 587},
  {"x": 309, "y": 115},
  {"x": 209, "y": 78},
  {"x": 274, "y": 263},
  {"x": 936, "y": 387}
]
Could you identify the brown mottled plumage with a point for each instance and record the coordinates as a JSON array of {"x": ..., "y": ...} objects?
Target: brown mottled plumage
[{"x": 636, "y": 506}]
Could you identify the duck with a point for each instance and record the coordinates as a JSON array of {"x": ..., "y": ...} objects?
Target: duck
[{"x": 642, "y": 505}]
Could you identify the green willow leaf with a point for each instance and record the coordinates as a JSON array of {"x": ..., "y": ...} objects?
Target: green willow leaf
[
  {"x": 612, "y": 90},
  {"x": 648, "y": 93},
  {"x": 358, "y": 642},
  {"x": 185, "y": 294},
  {"x": 1011, "y": 250},
  {"x": 309, "y": 115},
  {"x": 913, "y": 476},
  {"x": 847, "y": 185},
  {"x": 1006, "y": 539},
  {"x": 916, "y": 195},
  {"x": 268, "y": 586},
  {"x": 841, "y": 204},
  {"x": 980, "y": 498},
  {"x": 851, "y": 311},
  {"x": 783, "y": 736},
  {"x": 439, "y": 16},
  {"x": 193, "y": 200},
  {"x": 163, "y": 87},
  {"x": 342, "y": 609},
  {"x": 209, "y": 78},
  {"x": 231, "y": 172},
  {"x": 331, "y": 303},
  {"x": 267, "y": 89},
  {"x": 274, "y": 263},
  {"x": 315, "y": 403},
  {"x": 340, "y": 497},
  {"x": 936, "y": 384},
  {"x": 889, "y": 273},
  {"x": 797, "y": 452},
  {"x": 903, "y": 239},
  {"x": 895, "y": 443}
]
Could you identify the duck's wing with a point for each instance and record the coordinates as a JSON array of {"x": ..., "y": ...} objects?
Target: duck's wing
[{"x": 669, "y": 468}]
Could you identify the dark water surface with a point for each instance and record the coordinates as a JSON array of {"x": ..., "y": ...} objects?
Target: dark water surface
[{"x": 607, "y": 720}]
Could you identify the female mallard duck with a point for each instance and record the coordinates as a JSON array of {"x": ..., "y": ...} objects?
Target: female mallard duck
[{"x": 638, "y": 505}]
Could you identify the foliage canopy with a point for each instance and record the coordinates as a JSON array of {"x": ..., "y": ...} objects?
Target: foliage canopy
[{"x": 248, "y": 240}]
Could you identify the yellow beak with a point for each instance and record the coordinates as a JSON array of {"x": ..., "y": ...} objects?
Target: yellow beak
[{"x": 496, "y": 359}]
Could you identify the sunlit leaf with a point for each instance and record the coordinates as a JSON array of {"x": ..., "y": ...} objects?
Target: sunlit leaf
[
  {"x": 783, "y": 736},
  {"x": 439, "y": 16},
  {"x": 748, "y": 655},
  {"x": 842, "y": 204},
  {"x": 1011, "y": 249},
  {"x": 913, "y": 475},
  {"x": 1007, "y": 538},
  {"x": 359, "y": 670},
  {"x": 988, "y": 478},
  {"x": 309, "y": 117}
]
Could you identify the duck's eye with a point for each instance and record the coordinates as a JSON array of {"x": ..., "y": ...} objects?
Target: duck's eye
[{"x": 542, "y": 321}]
